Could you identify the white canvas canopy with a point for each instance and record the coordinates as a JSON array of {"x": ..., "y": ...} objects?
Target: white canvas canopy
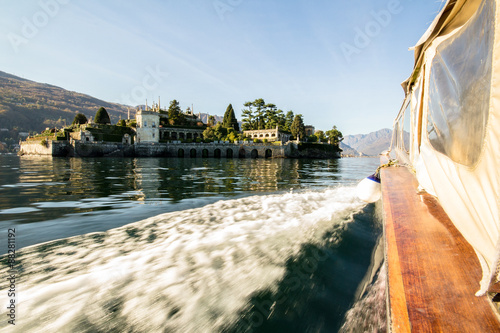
[{"x": 452, "y": 110}]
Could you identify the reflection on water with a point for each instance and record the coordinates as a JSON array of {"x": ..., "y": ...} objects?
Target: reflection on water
[
  {"x": 188, "y": 245},
  {"x": 74, "y": 195}
]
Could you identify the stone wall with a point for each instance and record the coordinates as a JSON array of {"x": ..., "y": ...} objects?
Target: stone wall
[
  {"x": 151, "y": 150},
  {"x": 94, "y": 149},
  {"x": 49, "y": 148},
  {"x": 35, "y": 148},
  {"x": 182, "y": 150},
  {"x": 216, "y": 150}
]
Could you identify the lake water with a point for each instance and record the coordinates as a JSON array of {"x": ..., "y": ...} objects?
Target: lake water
[{"x": 186, "y": 245}]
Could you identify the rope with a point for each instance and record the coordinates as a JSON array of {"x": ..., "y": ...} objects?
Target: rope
[{"x": 386, "y": 165}]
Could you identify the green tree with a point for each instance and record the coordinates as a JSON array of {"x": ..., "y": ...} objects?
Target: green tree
[
  {"x": 271, "y": 116},
  {"x": 175, "y": 115},
  {"x": 230, "y": 120},
  {"x": 288, "y": 121},
  {"x": 248, "y": 118},
  {"x": 298, "y": 129},
  {"x": 280, "y": 116},
  {"x": 312, "y": 138},
  {"x": 217, "y": 132},
  {"x": 211, "y": 121},
  {"x": 79, "y": 119},
  {"x": 231, "y": 135},
  {"x": 220, "y": 132},
  {"x": 260, "y": 115},
  {"x": 208, "y": 133},
  {"x": 334, "y": 136},
  {"x": 321, "y": 136},
  {"x": 102, "y": 116}
]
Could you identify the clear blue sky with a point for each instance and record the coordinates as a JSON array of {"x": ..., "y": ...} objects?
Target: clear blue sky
[{"x": 335, "y": 62}]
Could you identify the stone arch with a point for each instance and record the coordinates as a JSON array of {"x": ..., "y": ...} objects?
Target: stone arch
[
  {"x": 269, "y": 153},
  {"x": 181, "y": 135},
  {"x": 173, "y": 135},
  {"x": 180, "y": 153},
  {"x": 254, "y": 153},
  {"x": 242, "y": 153},
  {"x": 217, "y": 153},
  {"x": 267, "y": 135},
  {"x": 204, "y": 153},
  {"x": 189, "y": 136},
  {"x": 192, "y": 153},
  {"x": 229, "y": 153}
]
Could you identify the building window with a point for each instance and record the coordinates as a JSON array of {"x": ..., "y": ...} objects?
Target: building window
[
  {"x": 154, "y": 125},
  {"x": 145, "y": 124}
]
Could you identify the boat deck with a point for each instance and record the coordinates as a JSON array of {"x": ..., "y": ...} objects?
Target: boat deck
[{"x": 433, "y": 273}]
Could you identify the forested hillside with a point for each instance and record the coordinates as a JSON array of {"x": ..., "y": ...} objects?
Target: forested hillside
[{"x": 28, "y": 106}]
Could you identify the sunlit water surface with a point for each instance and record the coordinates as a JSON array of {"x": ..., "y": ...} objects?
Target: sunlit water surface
[{"x": 186, "y": 245}]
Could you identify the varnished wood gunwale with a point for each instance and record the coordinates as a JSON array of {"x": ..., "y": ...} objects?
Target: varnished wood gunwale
[{"x": 433, "y": 273}]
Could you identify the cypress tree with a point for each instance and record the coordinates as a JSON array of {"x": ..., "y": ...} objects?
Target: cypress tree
[
  {"x": 79, "y": 119},
  {"x": 102, "y": 116},
  {"x": 298, "y": 129},
  {"x": 230, "y": 120}
]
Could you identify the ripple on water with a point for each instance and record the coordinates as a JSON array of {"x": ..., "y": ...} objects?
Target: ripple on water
[
  {"x": 189, "y": 270},
  {"x": 19, "y": 210}
]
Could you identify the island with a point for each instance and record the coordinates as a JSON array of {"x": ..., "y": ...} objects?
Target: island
[{"x": 155, "y": 132}]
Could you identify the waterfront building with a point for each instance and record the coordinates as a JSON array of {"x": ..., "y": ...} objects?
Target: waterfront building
[
  {"x": 147, "y": 129},
  {"x": 309, "y": 129},
  {"x": 270, "y": 135},
  {"x": 151, "y": 129}
]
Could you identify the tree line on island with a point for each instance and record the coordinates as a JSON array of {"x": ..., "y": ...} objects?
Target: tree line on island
[{"x": 257, "y": 115}]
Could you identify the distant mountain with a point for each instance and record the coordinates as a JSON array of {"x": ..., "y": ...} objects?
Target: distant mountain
[
  {"x": 204, "y": 118},
  {"x": 32, "y": 106},
  {"x": 372, "y": 144},
  {"x": 348, "y": 151}
]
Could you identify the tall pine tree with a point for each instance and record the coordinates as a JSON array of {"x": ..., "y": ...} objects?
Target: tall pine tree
[
  {"x": 249, "y": 122},
  {"x": 175, "y": 115},
  {"x": 288, "y": 121}
]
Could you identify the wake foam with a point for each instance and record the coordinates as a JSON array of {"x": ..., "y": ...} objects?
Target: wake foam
[{"x": 186, "y": 271}]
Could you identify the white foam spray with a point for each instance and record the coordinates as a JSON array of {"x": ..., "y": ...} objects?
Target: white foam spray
[{"x": 186, "y": 271}]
